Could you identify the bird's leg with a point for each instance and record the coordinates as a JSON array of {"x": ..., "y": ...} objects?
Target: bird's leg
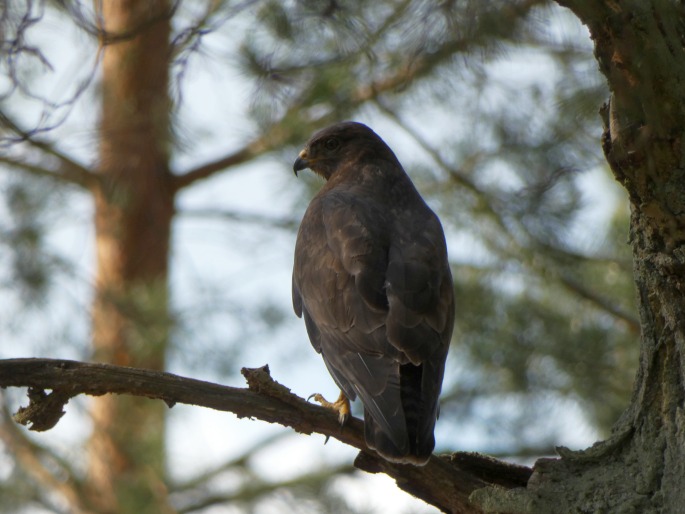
[{"x": 341, "y": 405}]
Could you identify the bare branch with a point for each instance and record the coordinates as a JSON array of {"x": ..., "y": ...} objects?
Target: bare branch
[
  {"x": 33, "y": 169},
  {"x": 68, "y": 169},
  {"x": 17, "y": 56},
  {"x": 42, "y": 171},
  {"x": 207, "y": 170},
  {"x": 446, "y": 481}
]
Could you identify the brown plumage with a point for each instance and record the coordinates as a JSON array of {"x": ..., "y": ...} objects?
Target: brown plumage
[{"x": 372, "y": 280}]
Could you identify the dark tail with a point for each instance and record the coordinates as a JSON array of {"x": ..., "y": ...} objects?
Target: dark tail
[{"x": 419, "y": 422}]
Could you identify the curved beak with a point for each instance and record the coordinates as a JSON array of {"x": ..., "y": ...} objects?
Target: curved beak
[{"x": 301, "y": 162}]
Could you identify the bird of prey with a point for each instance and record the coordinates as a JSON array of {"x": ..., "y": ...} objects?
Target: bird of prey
[{"x": 372, "y": 280}]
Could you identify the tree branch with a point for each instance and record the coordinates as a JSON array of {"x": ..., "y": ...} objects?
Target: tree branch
[
  {"x": 203, "y": 171},
  {"x": 68, "y": 169},
  {"x": 602, "y": 302},
  {"x": 446, "y": 481},
  {"x": 36, "y": 170}
]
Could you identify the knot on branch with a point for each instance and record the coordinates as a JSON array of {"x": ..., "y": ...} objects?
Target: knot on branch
[
  {"x": 44, "y": 409},
  {"x": 259, "y": 380}
]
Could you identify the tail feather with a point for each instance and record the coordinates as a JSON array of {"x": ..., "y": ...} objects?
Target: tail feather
[
  {"x": 378, "y": 440},
  {"x": 419, "y": 422}
]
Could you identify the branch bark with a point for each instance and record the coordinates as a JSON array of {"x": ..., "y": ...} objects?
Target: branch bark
[{"x": 445, "y": 482}]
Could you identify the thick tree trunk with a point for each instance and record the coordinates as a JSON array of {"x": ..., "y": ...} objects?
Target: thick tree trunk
[
  {"x": 639, "y": 46},
  {"x": 133, "y": 212}
]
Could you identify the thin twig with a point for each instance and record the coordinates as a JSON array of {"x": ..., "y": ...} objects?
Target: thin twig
[{"x": 68, "y": 169}]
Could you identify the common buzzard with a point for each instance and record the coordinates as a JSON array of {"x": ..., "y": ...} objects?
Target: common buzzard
[{"x": 372, "y": 280}]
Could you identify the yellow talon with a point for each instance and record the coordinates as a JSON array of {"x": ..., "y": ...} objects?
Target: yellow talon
[{"x": 341, "y": 405}]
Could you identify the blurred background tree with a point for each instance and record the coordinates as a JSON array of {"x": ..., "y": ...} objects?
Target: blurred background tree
[{"x": 149, "y": 215}]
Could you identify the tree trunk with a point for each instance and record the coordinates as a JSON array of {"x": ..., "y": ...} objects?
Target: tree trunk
[
  {"x": 133, "y": 212},
  {"x": 639, "y": 46}
]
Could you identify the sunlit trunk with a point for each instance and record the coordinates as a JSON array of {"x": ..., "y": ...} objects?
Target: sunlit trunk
[{"x": 133, "y": 212}]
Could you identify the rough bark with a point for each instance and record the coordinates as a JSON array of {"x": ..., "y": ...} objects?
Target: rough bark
[
  {"x": 133, "y": 211},
  {"x": 639, "y": 47},
  {"x": 446, "y": 481}
]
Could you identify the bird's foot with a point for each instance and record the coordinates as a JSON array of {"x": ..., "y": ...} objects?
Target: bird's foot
[{"x": 341, "y": 405}]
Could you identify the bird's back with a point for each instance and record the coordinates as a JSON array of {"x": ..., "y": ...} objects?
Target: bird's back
[{"x": 372, "y": 280}]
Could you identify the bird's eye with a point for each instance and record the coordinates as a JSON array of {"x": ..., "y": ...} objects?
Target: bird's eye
[{"x": 331, "y": 144}]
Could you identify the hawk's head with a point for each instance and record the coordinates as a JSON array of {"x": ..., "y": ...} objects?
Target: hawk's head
[{"x": 342, "y": 143}]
